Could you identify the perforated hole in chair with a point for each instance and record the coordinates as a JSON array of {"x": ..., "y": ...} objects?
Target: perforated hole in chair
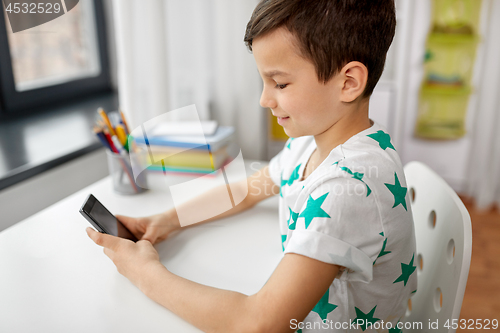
[
  {"x": 432, "y": 219},
  {"x": 438, "y": 300},
  {"x": 412, "y": 194},
  {"x": 450, "y": 251},
  {"x": 420, "y": 261},
  {"x": 408, "y": 308}
]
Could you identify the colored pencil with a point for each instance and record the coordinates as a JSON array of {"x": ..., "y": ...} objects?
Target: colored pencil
[
  {"x": 125, "y": 123},
  {"x": 123, "y": 163},
  {"x": 122, "y": 136},
  {"x": 106, "y": 134},
  {"x": 118, "y": 145},
  {"x": 100, "y": 135},
  {"x": 110, "y": 141},
  {"x": 106, "y": 121}
]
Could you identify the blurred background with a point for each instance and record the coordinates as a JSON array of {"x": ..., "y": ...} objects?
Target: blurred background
[{"x": 438, "y": 97}]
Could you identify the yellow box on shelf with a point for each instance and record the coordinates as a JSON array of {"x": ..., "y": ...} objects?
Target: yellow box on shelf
[
  {"x": 450, "y": 59},
  {"x": 456, "y": 16},
  {"x": 442, "y": 111}
]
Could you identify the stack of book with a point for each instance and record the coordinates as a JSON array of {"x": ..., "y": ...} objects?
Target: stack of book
[{"x": 191, "y": 154}]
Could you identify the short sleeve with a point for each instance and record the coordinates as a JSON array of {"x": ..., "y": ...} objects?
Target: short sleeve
[
  {"x": 276, "y": 165},
  {"x": 339, "y": 223}
]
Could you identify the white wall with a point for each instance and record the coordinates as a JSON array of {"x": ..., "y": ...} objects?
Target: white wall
[{"x": 24, "y": 199}]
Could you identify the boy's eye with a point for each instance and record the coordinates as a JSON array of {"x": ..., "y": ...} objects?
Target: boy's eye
[{"x": 281, "y": 86}]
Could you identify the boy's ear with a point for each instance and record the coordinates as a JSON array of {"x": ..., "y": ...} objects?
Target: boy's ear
[{"x": 354, "y": 76}]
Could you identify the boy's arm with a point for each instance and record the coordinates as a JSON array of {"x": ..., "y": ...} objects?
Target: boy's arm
[
  {"x": 294, "y": 288},
  {"x": 297, "y": 284},
  {"x": 260, "y": 186},
  {"x": 158, "y": 227}
]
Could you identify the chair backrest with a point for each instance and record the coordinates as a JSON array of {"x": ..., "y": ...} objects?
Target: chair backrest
[{"x": 444, "y": 245}]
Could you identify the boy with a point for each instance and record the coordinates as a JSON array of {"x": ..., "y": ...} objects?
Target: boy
[{"x": 345, "y": 220}]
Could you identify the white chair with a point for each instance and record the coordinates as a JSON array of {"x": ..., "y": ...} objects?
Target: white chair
[{"x": 444, "y": 245}]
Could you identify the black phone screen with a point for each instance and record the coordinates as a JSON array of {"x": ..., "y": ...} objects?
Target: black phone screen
[{"x": 103, "y": 220}]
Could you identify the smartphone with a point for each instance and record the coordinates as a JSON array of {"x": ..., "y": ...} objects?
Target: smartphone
[{"x": 103, "y": 220}]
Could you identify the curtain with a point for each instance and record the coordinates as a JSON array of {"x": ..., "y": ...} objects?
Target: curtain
[
  {"x": 483, "y": 183},
  {"x": 172, "y": 53}
]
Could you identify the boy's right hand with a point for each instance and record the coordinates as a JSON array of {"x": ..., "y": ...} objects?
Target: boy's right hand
[{"x": 154, "y": 228}]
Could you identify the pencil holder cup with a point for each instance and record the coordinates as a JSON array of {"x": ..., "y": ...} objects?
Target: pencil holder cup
[{"x": 122, "y": 176}]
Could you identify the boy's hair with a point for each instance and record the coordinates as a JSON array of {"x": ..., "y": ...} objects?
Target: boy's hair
[{"x": 331, "y": 33}]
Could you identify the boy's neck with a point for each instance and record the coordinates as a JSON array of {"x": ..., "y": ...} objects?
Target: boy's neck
[{"x": 355, "y": 121}]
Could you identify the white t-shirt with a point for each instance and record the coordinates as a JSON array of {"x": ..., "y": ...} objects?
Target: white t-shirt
[{"x": 354, "y": 211}]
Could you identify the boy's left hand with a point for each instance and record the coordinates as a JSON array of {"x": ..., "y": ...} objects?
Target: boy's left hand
[{"x": 132, "y": 260}]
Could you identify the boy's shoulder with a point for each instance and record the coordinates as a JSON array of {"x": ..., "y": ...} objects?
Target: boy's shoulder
[
  {"x": 370, "y": 163},
  {"x": 371, "y": 154},
  {"x": 367, "y": 149},
  {"x": 368, "y": 157}
]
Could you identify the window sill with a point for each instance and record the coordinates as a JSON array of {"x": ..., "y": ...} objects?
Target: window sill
[{"x": 39, "y": 142}]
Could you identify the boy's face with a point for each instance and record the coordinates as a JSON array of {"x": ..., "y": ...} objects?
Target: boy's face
[{"x": 303, "y": 105}]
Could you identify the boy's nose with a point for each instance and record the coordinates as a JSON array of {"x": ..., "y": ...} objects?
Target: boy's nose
[{"x": 267, "y": 100}]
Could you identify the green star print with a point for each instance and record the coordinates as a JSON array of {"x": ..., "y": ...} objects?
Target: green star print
[
  {"x": 367, "y": 317},
  {"x": 293, "y": 217},
  {"x": 313, "y": 209},
  {"x": 358, "y": 176},
  {"x": 323, "y": 308},
  {"x": 383, "y": 139},
  {"x": 283, "y": 183},
  {"x": 295, "y": 175},
  {"x": 406, "y": 271},
  {"x": 383, "y": 252},
  {"x": 283, "y": 239},
  {"x": 355, "y": 175},
  {"x": 398, "y": 191}
]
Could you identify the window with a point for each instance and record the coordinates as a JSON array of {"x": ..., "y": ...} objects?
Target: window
[{"x": 60, "y": 60}]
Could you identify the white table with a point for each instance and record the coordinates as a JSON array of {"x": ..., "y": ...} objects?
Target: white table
[{"x": 53, "y": 278}]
